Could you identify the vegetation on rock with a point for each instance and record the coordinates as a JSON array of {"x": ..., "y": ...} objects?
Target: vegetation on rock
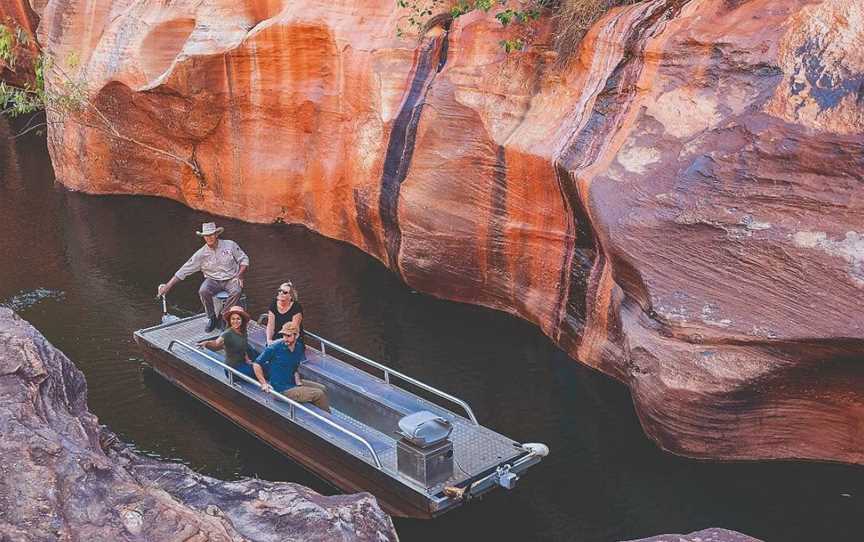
[
  {"x": 66, "y": 97},
  {"x": 572, "y": 18}
]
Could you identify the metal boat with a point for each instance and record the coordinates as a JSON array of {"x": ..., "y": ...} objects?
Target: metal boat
[{"x": 367, "y": 442}]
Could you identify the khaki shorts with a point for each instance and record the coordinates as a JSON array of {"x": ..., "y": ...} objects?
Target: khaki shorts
[{"x": 309, "y": 392}]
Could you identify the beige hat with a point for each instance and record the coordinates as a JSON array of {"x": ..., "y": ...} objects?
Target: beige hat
[{"x": 209, "y": 228}]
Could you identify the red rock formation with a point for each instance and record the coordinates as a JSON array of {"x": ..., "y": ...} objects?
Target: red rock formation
[
  {"x": 17, "y": 16},
  {"x": 65, "y": 477},
  {"x": 679, "y": 206}
]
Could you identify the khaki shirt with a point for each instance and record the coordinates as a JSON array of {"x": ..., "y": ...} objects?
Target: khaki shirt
[{"x": 221, "y": 263}]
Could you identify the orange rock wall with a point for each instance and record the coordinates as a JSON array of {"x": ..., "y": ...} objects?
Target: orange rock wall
[
  {"x": 679, "y": 206},
  {"x": 17, "y": 16}
]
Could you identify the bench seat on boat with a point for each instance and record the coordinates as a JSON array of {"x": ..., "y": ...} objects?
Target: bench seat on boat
[
  {"x": 362, "y": 396},
  {"x": 382, "y": 444}
]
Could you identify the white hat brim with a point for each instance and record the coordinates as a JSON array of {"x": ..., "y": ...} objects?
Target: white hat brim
[{"x": 218, "y": 231}]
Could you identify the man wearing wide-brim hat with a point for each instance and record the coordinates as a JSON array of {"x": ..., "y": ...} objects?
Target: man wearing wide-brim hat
[{"x": 222, "y": 262}]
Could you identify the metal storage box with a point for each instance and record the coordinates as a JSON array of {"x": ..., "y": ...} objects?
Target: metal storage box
[
  {"x": 424, "y": 428},
  {"x": 427, "y": 466}
]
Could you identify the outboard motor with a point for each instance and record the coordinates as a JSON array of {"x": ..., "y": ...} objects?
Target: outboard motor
[{"x": 424, "y": 453}]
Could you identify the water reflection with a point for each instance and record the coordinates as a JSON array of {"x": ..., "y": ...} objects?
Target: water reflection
[{"x": 603, "y": 481}]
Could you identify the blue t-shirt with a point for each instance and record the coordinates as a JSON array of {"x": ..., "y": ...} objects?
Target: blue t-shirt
[{"x": 281, "y": 363}]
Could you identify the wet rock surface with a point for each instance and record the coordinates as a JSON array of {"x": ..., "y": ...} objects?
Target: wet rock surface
[
  {"x": 677, "y": 205},
  {"x": 63, "y": 476},
  {"x": 705, "y": 535}
]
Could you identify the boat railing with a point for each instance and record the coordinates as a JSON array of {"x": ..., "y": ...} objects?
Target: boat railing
[
  {"x": 233, "y": 373},
  {"x": 389, "y": 371}
]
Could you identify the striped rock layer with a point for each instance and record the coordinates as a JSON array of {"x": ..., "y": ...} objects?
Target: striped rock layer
[{"x": 679, "y": 203}]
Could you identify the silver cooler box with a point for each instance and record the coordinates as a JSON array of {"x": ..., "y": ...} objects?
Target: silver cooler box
[{"x": 427, "y": 466}]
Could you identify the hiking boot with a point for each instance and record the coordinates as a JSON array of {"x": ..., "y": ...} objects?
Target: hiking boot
[{"x": 211, "y": 325}]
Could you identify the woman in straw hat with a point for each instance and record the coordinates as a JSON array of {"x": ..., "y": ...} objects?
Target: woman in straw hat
[{"x": 234, "y": 341}]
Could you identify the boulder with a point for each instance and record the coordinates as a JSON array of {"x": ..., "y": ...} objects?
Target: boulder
[
  {"x": 63, "y": 476},
  {"x": 705, "y": 535}
]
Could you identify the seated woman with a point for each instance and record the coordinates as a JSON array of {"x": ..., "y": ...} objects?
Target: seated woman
[
  {"x": 281, "y": 359},
  {"x": 285, "y": 308},
  {"x": 234, "y": 341}
]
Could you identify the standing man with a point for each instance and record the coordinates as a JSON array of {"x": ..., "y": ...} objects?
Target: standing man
[{"x": 223, "y": 263}]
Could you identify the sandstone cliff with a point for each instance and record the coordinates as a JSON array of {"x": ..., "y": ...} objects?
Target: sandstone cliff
[
  {"x": 679, "y": 205},
  {"x": 65, "y": 477},
  {"x": 18, "y": 17}
]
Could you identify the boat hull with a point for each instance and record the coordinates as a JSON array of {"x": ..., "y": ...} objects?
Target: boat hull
[{"x": 342, "y": 469}]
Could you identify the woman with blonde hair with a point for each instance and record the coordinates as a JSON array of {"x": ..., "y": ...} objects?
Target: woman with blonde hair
[{"x": 285, "y": 308}]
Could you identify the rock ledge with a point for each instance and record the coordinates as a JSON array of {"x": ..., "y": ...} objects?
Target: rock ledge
[{"x": 63, "y": 476}]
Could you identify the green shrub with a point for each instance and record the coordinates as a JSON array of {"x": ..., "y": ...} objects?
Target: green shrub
[{"x": 572, "y": 17}]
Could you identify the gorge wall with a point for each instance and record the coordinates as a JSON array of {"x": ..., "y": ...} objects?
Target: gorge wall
[
  {"x": 15, "y": 15},
  {"x": 677, "y": 204}
]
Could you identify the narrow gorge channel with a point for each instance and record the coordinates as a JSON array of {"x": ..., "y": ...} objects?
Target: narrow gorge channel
[{"x": 82, "y": 269}]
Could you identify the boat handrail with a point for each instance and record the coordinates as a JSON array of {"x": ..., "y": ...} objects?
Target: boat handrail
[
  {"x": 388, "y": 371},
  {"x": 294, "y": 404}
]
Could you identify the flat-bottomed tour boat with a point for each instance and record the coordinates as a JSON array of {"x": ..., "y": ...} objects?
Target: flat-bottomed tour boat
[{"x": 417, "y": 457}]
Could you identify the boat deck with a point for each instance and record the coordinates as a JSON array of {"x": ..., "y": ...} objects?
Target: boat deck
[{"x": 360, "y": 401}]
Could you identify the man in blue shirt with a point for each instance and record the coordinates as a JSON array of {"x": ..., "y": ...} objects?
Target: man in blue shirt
[{"x": 282, "y": 358}]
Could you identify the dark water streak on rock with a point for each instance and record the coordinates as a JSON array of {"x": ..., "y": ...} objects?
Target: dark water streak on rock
[
  {"x": 584, "y": 148},
  {"x": 400, "y": 147}
]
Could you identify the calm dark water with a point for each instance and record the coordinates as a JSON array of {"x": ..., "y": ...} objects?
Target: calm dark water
[{"x": 83, "y": 269}]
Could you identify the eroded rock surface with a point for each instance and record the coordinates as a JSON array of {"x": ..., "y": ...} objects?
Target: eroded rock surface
[
  {"x": 65, "y": 477},
  {"x": 705, "y": 535},
  {"x": 19, "y": 19},
  {"x": 680, "y": 205}
]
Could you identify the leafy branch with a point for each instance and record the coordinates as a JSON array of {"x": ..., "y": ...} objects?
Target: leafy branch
[
  {"x": 571, "y": 18},
  {"x": 521, "y": 12},
  {"x": 66, "y": 98}
]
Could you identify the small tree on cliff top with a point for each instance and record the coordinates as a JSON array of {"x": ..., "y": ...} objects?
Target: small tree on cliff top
[
  {"x": 519, "y": 12},
  {"x": 572, "y": 17},
  {"x": 65, "y": 99}
]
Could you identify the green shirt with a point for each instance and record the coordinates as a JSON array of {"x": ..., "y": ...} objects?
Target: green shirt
[{"x": 235, "y": 347}]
